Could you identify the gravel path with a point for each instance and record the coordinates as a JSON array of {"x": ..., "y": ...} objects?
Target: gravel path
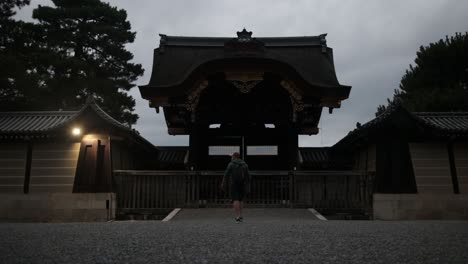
[
  {"x": 268, "y": 238},
  {"x": 251, "y": 215}
]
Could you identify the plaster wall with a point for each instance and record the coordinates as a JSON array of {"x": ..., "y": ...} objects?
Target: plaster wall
[
  {"x": 53, "y": 167},
  {"x": 431, "y": 168},
  {"x": 12, "y": 167},
  {"x": 57, "y": 207},
  {"x": 420, "y": 206}
]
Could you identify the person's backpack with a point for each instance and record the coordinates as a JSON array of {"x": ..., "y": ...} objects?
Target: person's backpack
[{"x": 240, "y": 173}]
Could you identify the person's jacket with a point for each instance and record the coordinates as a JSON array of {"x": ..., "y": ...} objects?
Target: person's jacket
[{"x": 237, "y": 172}]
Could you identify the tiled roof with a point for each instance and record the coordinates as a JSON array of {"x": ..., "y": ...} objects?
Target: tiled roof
[
  {"x": 178, "y": 58},
  {"x": 320, "y": 158},
  {"x": 44, "y": 124},
  {"x": 314, "y": 157},
  {"x": 220, "y": 41},
  {"x": 441, "y": 123},
  {"x": 33, "y": 122},
  {"x": 451, "y": 121},
  {"x": 101, "y": 113},
  {"x": 172, "y": 155},
  {"x": 47, "y": 121}
]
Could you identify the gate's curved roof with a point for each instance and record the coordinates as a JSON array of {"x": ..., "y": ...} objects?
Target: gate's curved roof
[{"x": 178, "y": 57}]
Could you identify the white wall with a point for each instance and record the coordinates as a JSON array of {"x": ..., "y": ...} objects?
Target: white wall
[
  {"x": 53, "y": 167},
  {"x": 12, "y": 167},
  {"x": 431, "y": 167}
]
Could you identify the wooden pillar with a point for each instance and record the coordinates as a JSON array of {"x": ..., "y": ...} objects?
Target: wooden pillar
[
  {"x": 395, "y": 163},
  {"x": 27, "y": 171},
  {"x": 94, "y": 168},
  {"x": 293, "y": 147},
  {"x": 197, "y": 149},
  {"x": 453, "y": 168}
]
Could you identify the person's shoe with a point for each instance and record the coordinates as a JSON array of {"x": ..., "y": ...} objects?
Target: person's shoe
[{"x": 239, "y": 220}]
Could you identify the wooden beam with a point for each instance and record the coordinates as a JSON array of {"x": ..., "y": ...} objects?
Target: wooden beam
[
  {"x": 27, "y": 171},
  {"x": 453, "y": 168}
]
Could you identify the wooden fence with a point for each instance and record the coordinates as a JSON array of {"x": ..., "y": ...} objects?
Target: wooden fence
[
  {"x": 268, "y": 188},
  {"x": 333, "y": 190}
]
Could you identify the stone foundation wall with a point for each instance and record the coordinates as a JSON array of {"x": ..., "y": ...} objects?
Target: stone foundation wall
[
  {"x": 57, "y": 207},
  {"x": 420, "y": 206}
]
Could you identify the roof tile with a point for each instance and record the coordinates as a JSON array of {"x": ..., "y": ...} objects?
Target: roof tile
[
  {"x": 452, "y": 121},
  {"x": 32, "y": 122}
]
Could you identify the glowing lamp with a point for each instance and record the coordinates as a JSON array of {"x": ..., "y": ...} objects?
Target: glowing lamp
[{"x": 76, "y": 131}]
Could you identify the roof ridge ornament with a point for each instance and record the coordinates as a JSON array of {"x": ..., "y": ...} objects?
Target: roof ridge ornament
[
  {"x": 244, "y": 36},
  {"x": 323, "y": 42},
  {"x": 244, "y": 44},
  {"x": 162, "y": 43}
]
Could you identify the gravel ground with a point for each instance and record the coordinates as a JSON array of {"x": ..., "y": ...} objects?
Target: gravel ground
[{"x": 266, "y": 236}]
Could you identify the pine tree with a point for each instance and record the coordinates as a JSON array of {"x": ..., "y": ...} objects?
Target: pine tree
[
  {"x": 85, "y": 42},
  {"x": 439, "y": 80},
  {"x": 20, "y": 74}
]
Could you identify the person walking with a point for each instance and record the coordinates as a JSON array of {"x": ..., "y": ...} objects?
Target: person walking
[{"x": 237, "y": 179}]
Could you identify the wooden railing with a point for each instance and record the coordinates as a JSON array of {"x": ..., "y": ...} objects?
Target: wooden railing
[
  {"x": 169, "y": 189},
  {"x": 332, "y": 189},
  {"x": 151, "y": 189},
  {"x": 268, "y": 188}
]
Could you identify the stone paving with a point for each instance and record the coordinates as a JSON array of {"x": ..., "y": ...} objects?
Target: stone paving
[{"x": 266, "y": 236}]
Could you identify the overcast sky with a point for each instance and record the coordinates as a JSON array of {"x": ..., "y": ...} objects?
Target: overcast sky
[{"x": 373, "y": 43}]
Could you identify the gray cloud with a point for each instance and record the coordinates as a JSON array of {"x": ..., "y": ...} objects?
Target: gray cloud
[{"x": 373, "y": 43}]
